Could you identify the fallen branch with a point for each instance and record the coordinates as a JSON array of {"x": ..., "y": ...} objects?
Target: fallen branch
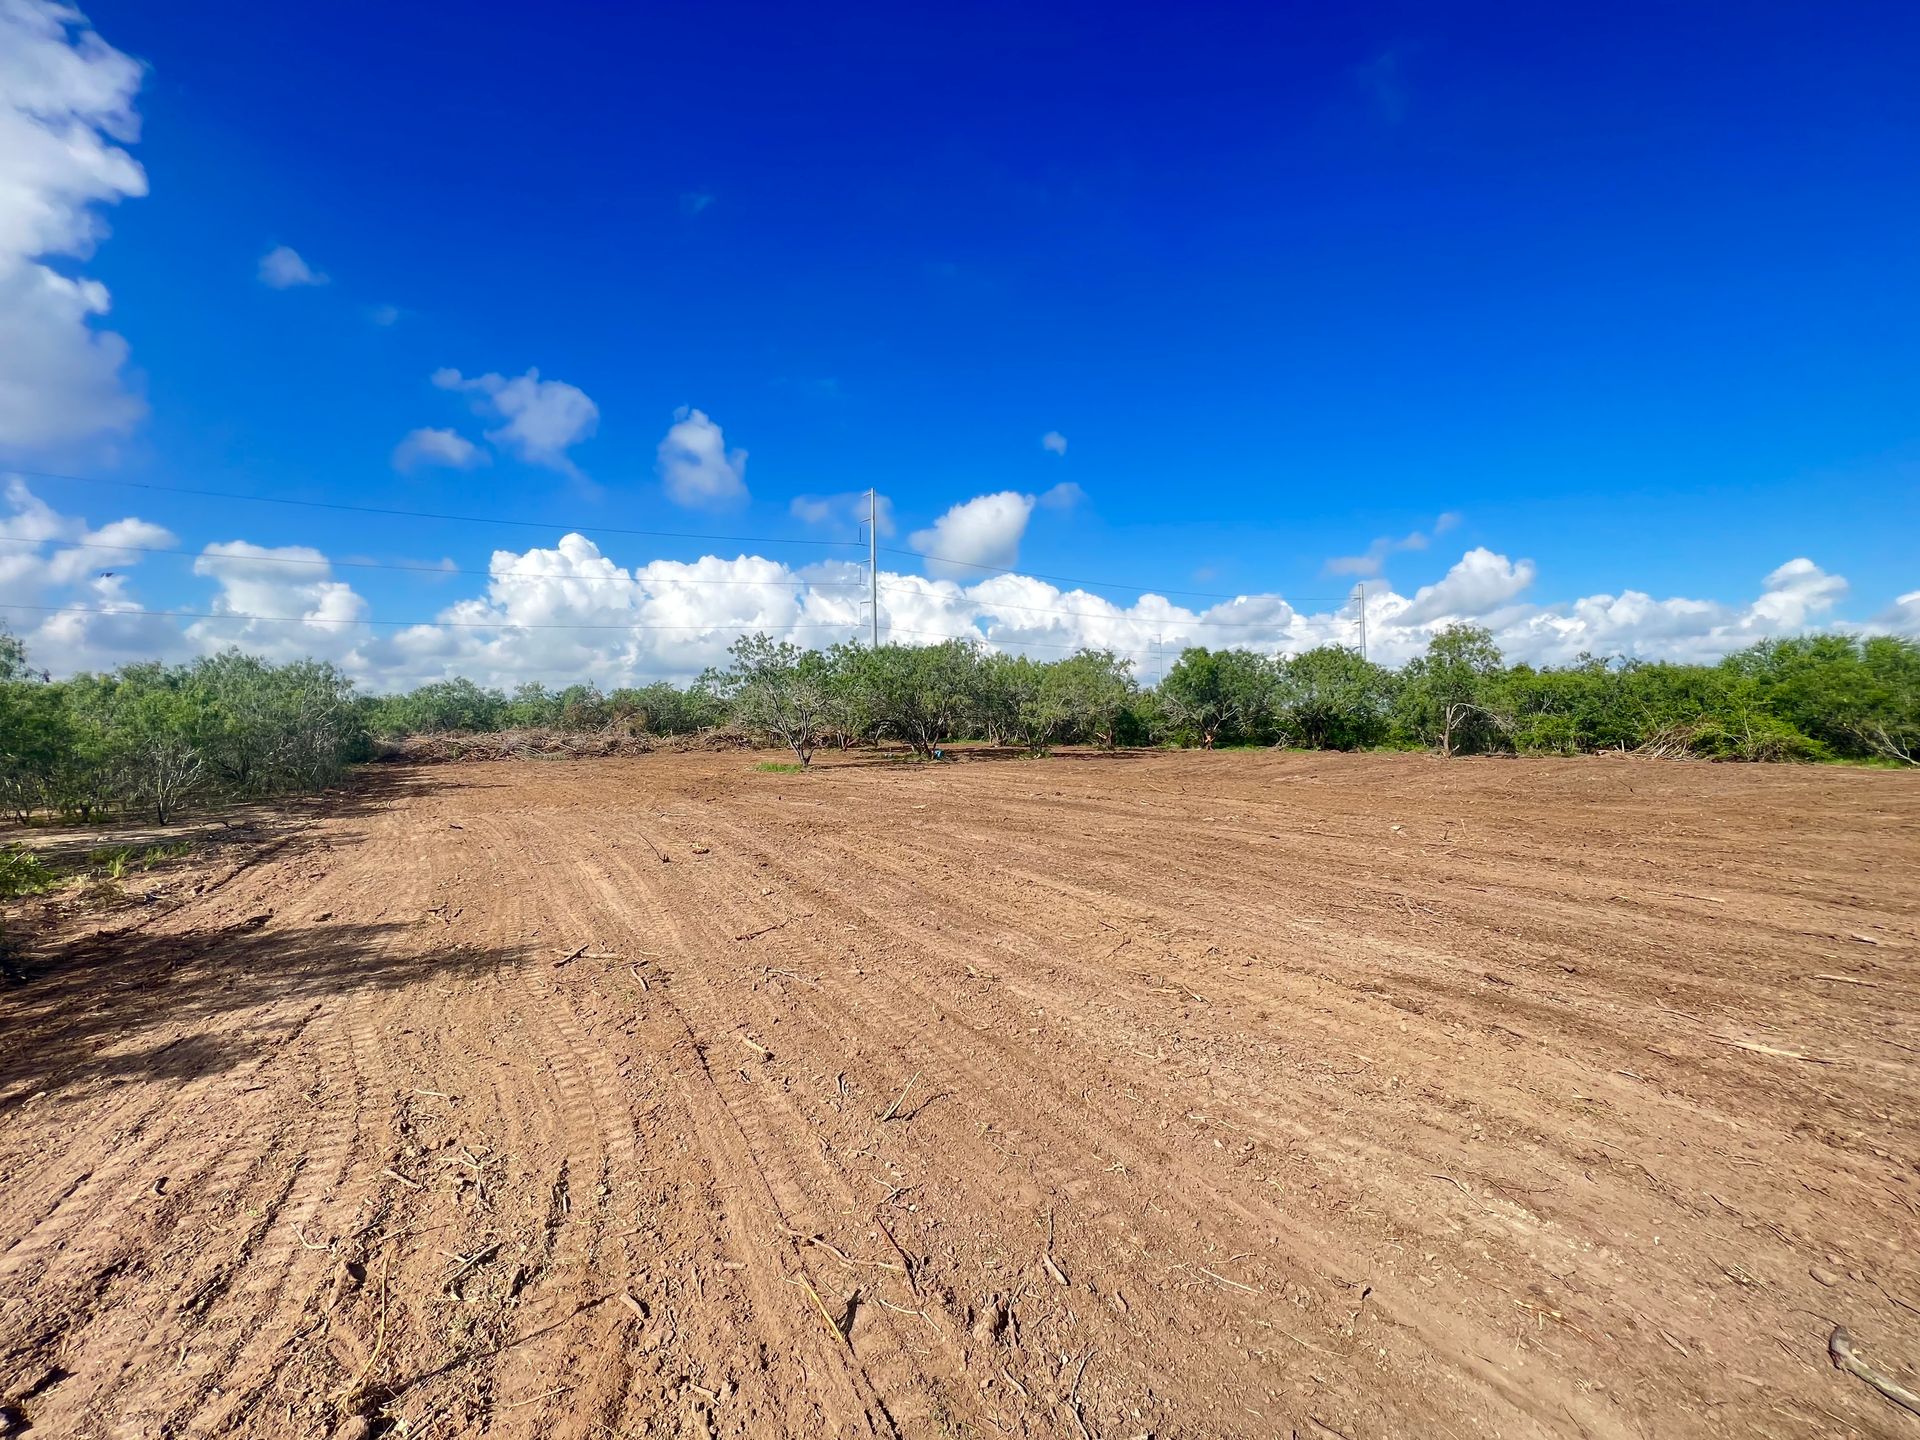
[
  {"x": 479, "y": 1257},
  {"x": 839, "y": 1254},
  {"x": 907, "y": 1264},
  {"x": 536, "y": 1399},
  {"x": 769, "y": 929},
  {"x": 1769, "y": 1050},
  {"x": 570, "y": 956},
  {"x": 1224, "y": 1281},
  {"x": 1844, "y": 1357},
  {"x": 894, "y": 1109},
  {"x": 1849, "y": 980},
  {"x": 821, "y": 1306}
]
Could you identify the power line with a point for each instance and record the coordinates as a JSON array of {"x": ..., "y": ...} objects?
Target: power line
[
  {"x": 426, "y": 569},
  {"x": 415, "y": 514},
  {"x": 406, "y": 624}
]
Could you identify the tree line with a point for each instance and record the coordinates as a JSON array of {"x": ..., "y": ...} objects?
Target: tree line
[
  {"x": 151, "y": 738},
  {"x": 1818, "y": 698}
]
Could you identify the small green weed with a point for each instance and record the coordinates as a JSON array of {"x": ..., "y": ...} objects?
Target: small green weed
[
  {"x": 117, "y": 860},
  {"x": 114, "y": 860},
  {"x": 778, "y": 767}
]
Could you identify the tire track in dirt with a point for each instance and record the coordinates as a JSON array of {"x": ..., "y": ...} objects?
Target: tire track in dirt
[
  {"x": 1060, "y": 1162},
  {"x": 751, "y": 1148},
  {"x": 1395, "y": 1083}
]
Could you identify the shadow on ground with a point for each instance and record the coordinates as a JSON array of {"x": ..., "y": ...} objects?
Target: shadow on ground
[{"x": 116, "y": 1007}]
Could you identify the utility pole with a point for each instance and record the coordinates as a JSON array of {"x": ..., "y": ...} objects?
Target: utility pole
[
  {"x": 1360, "y": 594},
  {"x": 873, "y": 561}
]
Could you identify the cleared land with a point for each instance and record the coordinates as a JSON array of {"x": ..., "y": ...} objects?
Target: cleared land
[{"x": 1203, "y": 1095}]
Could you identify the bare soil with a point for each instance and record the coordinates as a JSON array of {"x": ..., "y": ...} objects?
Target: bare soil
[{"x": 1182, "y": 1096}]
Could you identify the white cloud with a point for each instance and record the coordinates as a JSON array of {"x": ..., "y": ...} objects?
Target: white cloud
[
  {"x": 1796, "y": 592},
  {"x": 437, "y": 447},
  {"x": 384, "y": 315},
  {"x": 1900, "y": 618},
  {"x": 849, "y": 507},
  {"x": 1063, "y": 496},
  {"x": 982, "y": 532},
  {"x": 281, "y": 268},
  {"x": 303, "y": 610},
  {"x": 588, "y": 616},
  {"x": 696, "y": 466},
  {"x": 541, "y": 419},
  {"x": 65, "y": 95},
  {"x": 27, "y": 571},
  {"x": 1477, "y": 584},
  {"x": 1053, "y": 440},
  {"x": 1369, "y": 564}
]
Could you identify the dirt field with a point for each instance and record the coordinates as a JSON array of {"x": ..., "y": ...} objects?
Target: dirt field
[{"x": 1181, "y": 1096}]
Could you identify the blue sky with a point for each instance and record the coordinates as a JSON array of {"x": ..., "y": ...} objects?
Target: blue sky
[{"x": 1626, "y": 294}]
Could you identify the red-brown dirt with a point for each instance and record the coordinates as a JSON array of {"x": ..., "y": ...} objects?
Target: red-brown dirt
[{"x": 1189, "y": 1095}]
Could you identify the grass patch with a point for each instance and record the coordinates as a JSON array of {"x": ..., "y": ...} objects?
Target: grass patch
[
  {"x": 778, "y": 767},
  {"x": 112, "y": 859},
  {"x": 24, "y": 873},
  {"x": 117, "y": 860}
]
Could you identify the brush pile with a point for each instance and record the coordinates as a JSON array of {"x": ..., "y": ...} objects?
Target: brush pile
[{"x": 546, "y": 743}]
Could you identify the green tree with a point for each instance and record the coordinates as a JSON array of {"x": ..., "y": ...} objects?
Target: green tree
[
  {"x": 1449, "y": 695},
  {"x": 922, "y": 694},
  {"x": 1330, "y": 698},
  {"x": 779, "y": 689},
  {"x": 1098, "y": 689},
  {"x": 1220, "y": 696}
]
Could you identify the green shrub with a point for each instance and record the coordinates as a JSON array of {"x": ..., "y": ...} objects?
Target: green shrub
[{"x": 22, "y": 872}]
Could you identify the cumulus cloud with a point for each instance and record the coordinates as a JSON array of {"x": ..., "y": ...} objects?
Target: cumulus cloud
[
  {"x": 1902, "y": 617},
  {"x": 1796, "y": 592},
  {"x": 54, "y": 567},
  {"x": 281, "y": 268},
  {"x": 283, "y": 602},
  {"x": 570, "y": 611},
  {"x": 1053, "y": 440},
  {"x": 427, "y": 447},
  {"x": 697, "y": 468},
  {"x": 540, "y": 419},
  {"x": 33, "y": 534},
  {"x": 1369, "y": 564},
  {"x": 1478, "y": 583},
  {"x": 849, "y": 507},
  {"x": 983, "y": 532},
  {"x": 65, "y": 96}
]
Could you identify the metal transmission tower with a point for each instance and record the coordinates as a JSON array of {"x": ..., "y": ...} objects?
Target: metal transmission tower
[
  {"x": 1360, "y": 596},
  {"x": 873, "y": 561}
]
